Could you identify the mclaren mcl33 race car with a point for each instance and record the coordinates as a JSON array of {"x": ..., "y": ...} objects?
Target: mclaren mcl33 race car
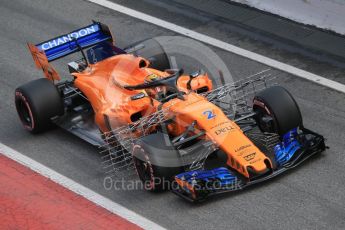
[{"x": 171, "y": 128}]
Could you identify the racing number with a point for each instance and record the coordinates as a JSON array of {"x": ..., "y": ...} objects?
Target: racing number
[{"x": 209, "y": 114}]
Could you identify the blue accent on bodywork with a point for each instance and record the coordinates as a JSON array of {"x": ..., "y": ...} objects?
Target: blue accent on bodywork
[
  {"x": 68, "y": 43},
  {"x": 222, "y": 175},
  {"x": 209, "y": 114},
  {"x": 286, "y": 150}
]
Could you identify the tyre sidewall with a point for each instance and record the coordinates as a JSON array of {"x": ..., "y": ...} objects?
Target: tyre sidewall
[
  {"x": 161, "y": 177},
  {"x": 278, "y": 103},
  {"x": 43, "y": 101}
]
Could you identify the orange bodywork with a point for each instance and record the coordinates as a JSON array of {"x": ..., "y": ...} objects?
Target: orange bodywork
[
  {"x": 103, "y": 84},
  {"x": 226, "y": 134}
]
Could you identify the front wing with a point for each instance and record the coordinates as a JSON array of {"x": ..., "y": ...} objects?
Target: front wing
[{"x": 197, "y": 185}]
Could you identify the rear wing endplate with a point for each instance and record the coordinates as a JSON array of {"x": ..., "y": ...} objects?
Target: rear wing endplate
[
  {"x": 42, "y": 62},
  {"x": 66, "y": 44}
]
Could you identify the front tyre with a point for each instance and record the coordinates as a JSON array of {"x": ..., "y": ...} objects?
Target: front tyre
[
  {"x": 156, "y": 162},
  {"x": 276, "y": 110},
  {"x": 37, "y": 102}
]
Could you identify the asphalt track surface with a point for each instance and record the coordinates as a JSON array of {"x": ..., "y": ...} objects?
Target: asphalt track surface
[{"x": 310, "y": 197}]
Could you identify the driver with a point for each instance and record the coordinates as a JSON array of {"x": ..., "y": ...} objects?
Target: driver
[{"x": 155, "y": 92}]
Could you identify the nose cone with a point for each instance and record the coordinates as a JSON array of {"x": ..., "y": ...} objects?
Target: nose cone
[{"x": 258, "y": 168}]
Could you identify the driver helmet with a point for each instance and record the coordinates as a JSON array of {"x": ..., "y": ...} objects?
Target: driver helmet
[{"x": 155, "y": 91}]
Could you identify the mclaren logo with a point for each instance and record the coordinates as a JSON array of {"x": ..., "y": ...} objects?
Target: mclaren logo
[{"x": 249, "y": 157}]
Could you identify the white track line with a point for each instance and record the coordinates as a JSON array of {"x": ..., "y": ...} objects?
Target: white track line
[
  {"x": 79, "y": 189},
  {"x": 223, "y": 45}
]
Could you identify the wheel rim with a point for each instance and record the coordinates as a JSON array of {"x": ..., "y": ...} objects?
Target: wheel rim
[
  {"x": 264, "y": 125},
  {"x": 143, "y": 169},
  {"x": 24, "y": 113}
]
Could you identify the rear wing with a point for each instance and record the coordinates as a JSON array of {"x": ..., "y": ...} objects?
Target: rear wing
[{"x": 66, "y": 44}]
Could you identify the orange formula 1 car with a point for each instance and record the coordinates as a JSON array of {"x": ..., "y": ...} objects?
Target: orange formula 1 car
[{"x": 168, "y": 126}]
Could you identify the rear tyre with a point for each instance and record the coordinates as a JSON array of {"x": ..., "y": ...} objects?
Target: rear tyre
[
  {"x": 156, "y": 162},
  {"x": 152, "y": 50},
  {"x": 37, "y": 102},
  {"x": 277, "y": 111}
]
